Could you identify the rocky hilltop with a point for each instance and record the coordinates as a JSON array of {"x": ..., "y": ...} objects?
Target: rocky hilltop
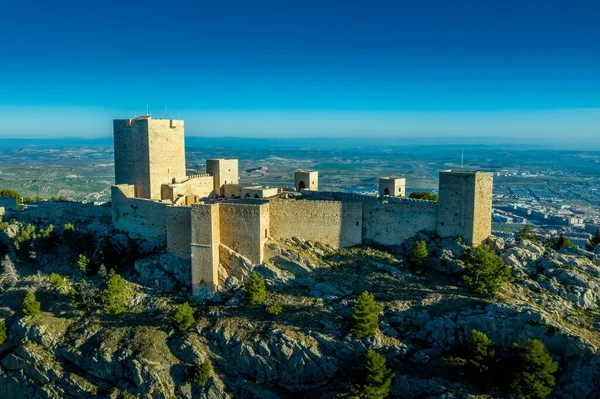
[{"x": 74, "y": 351}]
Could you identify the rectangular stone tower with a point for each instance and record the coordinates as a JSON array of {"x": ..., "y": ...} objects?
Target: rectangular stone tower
[
  {"x": 224, "y": 171},
  {"x": 392, "y": 186},
  {"x": 148, "y": 153},
  {"x": 465, "y": 205},
  {"x": 306, "y": 180}
]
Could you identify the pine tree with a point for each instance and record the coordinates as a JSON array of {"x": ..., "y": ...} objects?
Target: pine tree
[
  {"x": 199, "y": 373},
  {"x": 56, "y": 280},
  {"x": 561, "y": 242},
  {"x": 526, "y": 233},
  {"x": 255, "y": 290},
  {"x": 418, "y": 257},
  {"x": 378, "y": 376},
  {"x": 481, "y": 356},
  {"x": 83, "y": 262},
  {"x": 114, "y": 295},
  {"x": 531, "y": 371},
  {"x": 31, "y": 307},
  {"x": 3, "y": 332},
  {"x": 184, "y": 317},
  {"x": 485, "y": 272},
  {"x": 593, "y": 241},
  {"x": 364, "y": 321}
]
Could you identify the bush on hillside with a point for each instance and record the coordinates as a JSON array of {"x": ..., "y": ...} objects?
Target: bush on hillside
[
  {"x": 418, "y": 257},
  {"x": 364, "y": 321},
  {"x": 531, "y": 371},
  {"x": 31, "y": 307},
  {"x": 485, "y": 272},
  {"x": 255, "y": 290},
  {"x": 115, "y": 295},
  {"x": 423, "y": 195},
  {"x": 378, "y": 379},
  {"x": 199, "y": 373},
  {"x": 184, "y": 317}
]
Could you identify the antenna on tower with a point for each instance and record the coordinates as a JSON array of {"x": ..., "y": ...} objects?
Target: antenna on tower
[
  {"x": 166, "y": 112},
  {"x": 462, "y": 158},
  {"x": 147, "y": 113}
]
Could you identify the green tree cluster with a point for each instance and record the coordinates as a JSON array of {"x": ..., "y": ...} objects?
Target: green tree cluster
[
  {"x": 31, "y": 307},
  {"x": 423, "y": 195},
  {"x": 364, "y": 320},
  {"x": 531, "y": 369},
  {"x": 3, "y": 332},
  {"x": 199, "y": 373},
  {"x": 56, "y": 280},
  {"x": 481, "y": 356},
  {"x": 527, "y": 233},
  {"x": 418, "y": 257},
  {"x": 593, "y": 241},
  {"x": 274, "y": 308},
  {"x": 83, "y": 262},
  {"x": 29, "y": 200},
  {"x": 379, "y": 377},
  {"x": 255, "y": 290},
  {"x": 11, "y": 193},
  {"x": 559, "y": 243},
  {"x": 485, "y": 272},
  {"x": 184, "y": 317},
  {"x": 22, "y": 241},
  {"x": 114, "y": 294},
  {"x": 526, "y": 373}
]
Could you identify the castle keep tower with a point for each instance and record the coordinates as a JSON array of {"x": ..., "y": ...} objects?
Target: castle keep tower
[
  {"x": 465, "y": 205},
  {"x": 392, "y": 186},
  {"x": 224, "y": 171},
  {"x": 148, "y": 153},
  {"x": 306, "y": 180}
]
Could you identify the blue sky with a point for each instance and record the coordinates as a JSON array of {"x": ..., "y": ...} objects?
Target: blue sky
[{"x": 311, "y": 68}]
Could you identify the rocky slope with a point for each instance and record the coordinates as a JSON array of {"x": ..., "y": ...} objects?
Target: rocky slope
[{"x": 306, "y": 350}]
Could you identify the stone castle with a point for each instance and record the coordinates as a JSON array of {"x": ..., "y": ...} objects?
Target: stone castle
[{"x": 209, "y": 220}]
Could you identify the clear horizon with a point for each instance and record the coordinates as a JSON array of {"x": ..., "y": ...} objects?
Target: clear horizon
[{"x": 381, "y": 69}]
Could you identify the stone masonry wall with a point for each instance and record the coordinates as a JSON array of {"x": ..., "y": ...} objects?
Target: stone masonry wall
[
  {"x": 205, "y": 247},
  {"x": 332, "y": 222},
  {"x": 179, "y": 231},
  {"x": 201, "y": 186},
  {"x": 166, "y": 153},
  {"x": 131, "y": 155},
  {"x": 482, "y": 224},
  {"x": 393, "y": 222},
  {"x": 137, "y": 215},
  {"x": 244, "y": 227}
]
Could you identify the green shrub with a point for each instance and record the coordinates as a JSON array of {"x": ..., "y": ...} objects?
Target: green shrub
[
  {"x": 530, "y": 371},
  {"x": 378, "y": 379},
  {"x": 418, "y": 257},
  {"x": 11, "y": 193},
  {"x": 480, "y": 356},
  {"x": 83, "y": 295},
  {"x": 115, "y": 295},
  {"x": 184, "y": 317},
  {"x": 255, "y": 290},
  {"x": 364, "y": 321},
  {"x": 526, "y": 233},
  {"x": 48, "y": 239},
  {"x": 199, "y": 373},
  {"x": 22, "y": 241},
  {"x": 31, "y": 307},
  {"x": 83, "y": 262},
  {"x": 274, "y": 308},
  {"x": 3, "y": 332},
  {"x": 423, "y": 195},
  {"x": 56, "y": 280},
  {"x": 559, "y": 243},
  {"x": 593, "y": 241},
  {"x": 485, "y": 272}
]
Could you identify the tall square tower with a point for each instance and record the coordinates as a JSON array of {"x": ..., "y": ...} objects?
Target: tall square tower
[
  {"x": 392, "y": 186},
  {"x": 224, "y": 171},
  {"x": 465, "y": 205},
  {"x": 148, "y": 153},
  {"x": 306, "y": 180}
]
